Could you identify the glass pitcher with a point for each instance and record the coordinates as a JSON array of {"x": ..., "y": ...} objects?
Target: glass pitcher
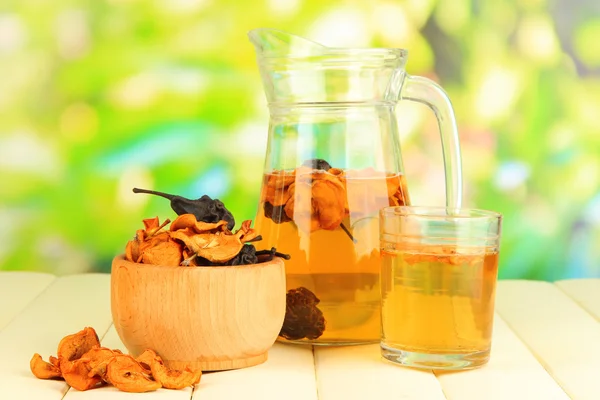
[{"x": 333, "y": 161}]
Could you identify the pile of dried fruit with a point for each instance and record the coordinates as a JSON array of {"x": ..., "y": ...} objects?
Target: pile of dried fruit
[
  {"x": 84, "y": 365},
  {"x": 200, "y": 236}
]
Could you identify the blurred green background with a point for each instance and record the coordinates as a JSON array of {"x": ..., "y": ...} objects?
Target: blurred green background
[{"x": 99, "y": 96}]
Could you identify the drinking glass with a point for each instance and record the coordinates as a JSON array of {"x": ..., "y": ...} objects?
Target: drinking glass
[{"x": 439, "y": 269}]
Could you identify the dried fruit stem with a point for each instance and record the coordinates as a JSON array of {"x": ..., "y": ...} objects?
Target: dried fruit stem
[
  {"x": 347, "y": 232},
  {"x": 165, "y": 222},
  {"x": 256, "y": 239},
  {"x": 188, "y": 261},
  {"x": 161, "y": 194},
  {"x": 273, "y": 253}
]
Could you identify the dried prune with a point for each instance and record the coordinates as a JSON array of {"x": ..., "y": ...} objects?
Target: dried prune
[
  {"x": 317, "y": 163},
  {"x": 276, "y": 213},
  {"x": 302, "y": 317},
  {"x": 204, "y": 209},
  {"x": 246, "y": 256}
]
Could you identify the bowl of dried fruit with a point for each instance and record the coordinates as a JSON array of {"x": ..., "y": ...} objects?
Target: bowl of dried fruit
[{"x": 197, "y": 292}]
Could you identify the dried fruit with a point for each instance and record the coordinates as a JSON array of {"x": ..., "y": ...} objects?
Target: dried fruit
[
  {"x": 317, "y": 201},
  {"x": 145, "y": 359},
  {"x": 195, "y": 241},
  {"x": 189, "y": 221},
  {"x": 126, "y": 374},
  {"x": 153, "y": 226},
  {"x": 276, "y": 213},
  {"x": 204, "y": 209},
  {"x": 213, "y": 242},
  {"x": 247, "y": 255},
  {"x": 313, "y": 196},
  {"x": 72, "y": 347},
  {"x": 84, "y": 370},
  {"x": 44, "y": 370},
  {"x": 272, "y": 253},
  {"x": 77, "y": 375},
  {"x": 161, "y": 250},
  {"x": 173, "y": 379},
  {"x": 445, "y": 254},
  {"x": 274, "y": 190},
  {"x": 317, "y": 163},
  {"x": 151, "y": 246},
  {"x": 54, "y": 361},
  {"x": 97, "y": 360},
  {"x": 302, "y": 317}
]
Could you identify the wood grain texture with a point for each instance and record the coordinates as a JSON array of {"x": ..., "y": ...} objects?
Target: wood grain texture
[
  {"x": 18, "y": 289},
  {"x": 359, "y": 372},
  {"x": 205, "y": 317},
  {"x": 69, "y": 304},
  {"x": 561, "y": 334},
  {"x": 288, "y": 374},
  {"x": 586, "y": 292},
  {"x": 512, "y": 373}
]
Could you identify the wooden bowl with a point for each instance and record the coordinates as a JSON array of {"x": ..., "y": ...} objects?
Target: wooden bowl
[{"x": 212, "y": 318}]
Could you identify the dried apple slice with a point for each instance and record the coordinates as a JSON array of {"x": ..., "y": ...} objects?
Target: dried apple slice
[
  {"x": 44, "y": 370},
  {"x": 126, "y": 374},
  {"x": 174, "y": 379},
  {"x": 72, "y": 347},
  {"x": 77, "y": 375}
]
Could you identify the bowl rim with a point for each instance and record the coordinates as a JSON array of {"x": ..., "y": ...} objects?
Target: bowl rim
[{"x": 275, "y": 262}]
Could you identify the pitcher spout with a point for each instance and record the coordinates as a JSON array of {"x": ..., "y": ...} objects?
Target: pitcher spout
[
  {"x": 275, "y": 43},
  {"x": 298, "y": 70}
]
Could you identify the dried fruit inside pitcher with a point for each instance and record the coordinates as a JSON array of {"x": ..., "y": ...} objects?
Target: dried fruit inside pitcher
[
  {"x": 302, "y": 317},
  {"x": 315, "y": 195},
  {"x": 327, "y": 220}
]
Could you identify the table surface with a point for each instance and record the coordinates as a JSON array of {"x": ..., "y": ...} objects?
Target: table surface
[{"x": 546, "y": 346}]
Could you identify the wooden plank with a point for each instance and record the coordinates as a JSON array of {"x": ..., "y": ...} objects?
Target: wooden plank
[
  {"x": 359, "y": 372},
  {"x": 512, "y": 373},
  {"x": 288, "y": 374},
  {"x": 112, "y": 340},
  {"x": 561, "y": 334},
  {"x": 17, "y": 290},
  {"x": 586, "y": 292},
  {"x": 69, "y": 304}
]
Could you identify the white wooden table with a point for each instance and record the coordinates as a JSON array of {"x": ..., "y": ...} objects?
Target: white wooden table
[{"x": 546, "y": 346}]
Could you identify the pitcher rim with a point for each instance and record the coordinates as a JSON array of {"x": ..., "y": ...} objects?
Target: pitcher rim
[
  {"x": 363, "y": 53},
  {"x": 440, "y": 212},
  {"x": 334, "y": 53}
]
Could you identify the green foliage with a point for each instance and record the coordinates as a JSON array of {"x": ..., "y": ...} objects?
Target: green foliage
[{"x": 100, "y": 96}]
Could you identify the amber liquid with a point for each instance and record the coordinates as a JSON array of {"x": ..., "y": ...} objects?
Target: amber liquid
[
  {"x": 438, "y": 303},
  {"x": 343, "y": 273}
]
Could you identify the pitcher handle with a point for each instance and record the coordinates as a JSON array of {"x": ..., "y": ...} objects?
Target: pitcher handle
[{"x": 426, "y": 91}]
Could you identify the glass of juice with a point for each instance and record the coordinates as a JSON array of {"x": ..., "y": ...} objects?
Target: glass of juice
[{"x": 439, "y": 268}]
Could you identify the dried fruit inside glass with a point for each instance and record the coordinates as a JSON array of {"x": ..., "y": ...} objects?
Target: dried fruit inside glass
[{"x": 327, "y": 220}]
